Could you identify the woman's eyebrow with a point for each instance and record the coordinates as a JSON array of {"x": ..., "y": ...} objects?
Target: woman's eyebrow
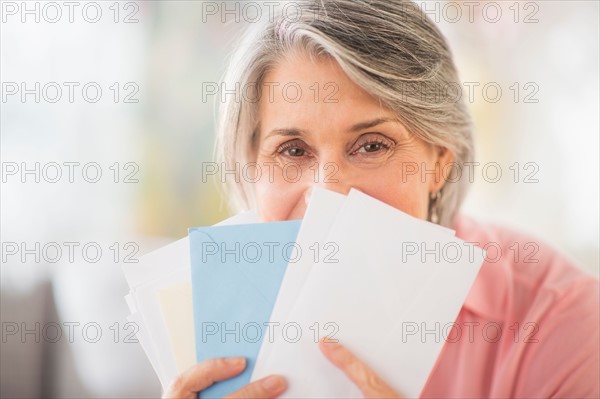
[
  {"x": 288, "y": 132},
  {"x": 295, "y": 132},
  {"x": 369, "y": 124}
]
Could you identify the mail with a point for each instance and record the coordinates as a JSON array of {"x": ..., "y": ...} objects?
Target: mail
[{"x": 354, "y": 270}]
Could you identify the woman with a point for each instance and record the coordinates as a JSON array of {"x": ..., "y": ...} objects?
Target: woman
[{"x": 360, "y": 94}]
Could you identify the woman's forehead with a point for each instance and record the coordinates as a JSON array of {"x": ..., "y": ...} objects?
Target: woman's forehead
[{"x": 301, "y": 88}]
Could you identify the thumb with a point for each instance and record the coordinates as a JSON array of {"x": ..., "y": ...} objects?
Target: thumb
[{"x": 369, "y": 383}]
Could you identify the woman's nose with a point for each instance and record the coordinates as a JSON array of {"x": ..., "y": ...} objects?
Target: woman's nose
[
  {"x": 334, "y": 176},
  {"x": 331, "y": 176}
]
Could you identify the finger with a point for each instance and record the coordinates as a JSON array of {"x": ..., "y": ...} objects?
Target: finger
[
  {"x": 359, "y": 373},
  {"x": 203, "y": 375},
  {"x": 268, "y": 387}
]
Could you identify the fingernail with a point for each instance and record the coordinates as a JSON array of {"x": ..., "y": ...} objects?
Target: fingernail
[
  {"x": 273, "y": 383},
  {"x": 330, "y": 345},
  {"x": 235, "y": 362}
]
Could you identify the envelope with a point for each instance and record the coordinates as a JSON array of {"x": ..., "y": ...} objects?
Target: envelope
[
  {"x": 152, "y": 324},
  {"x": 236, "y": 275},
  {"x": 158, "y": 270},
  {"x": 176, "y": 308},
  {"x": 154, "y": 265},
  {"x": 320, "y": 214},
  {"x": 372, "y": 298}
]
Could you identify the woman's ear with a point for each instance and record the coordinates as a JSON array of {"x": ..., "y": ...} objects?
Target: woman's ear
[{"x": 443, "y": 168}]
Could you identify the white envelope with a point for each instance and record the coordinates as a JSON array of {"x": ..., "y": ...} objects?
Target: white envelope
[
  {"x": 320, "y": 214},
  {"x": 156, "y": 271},
  {"x": 369, "y": 297}
]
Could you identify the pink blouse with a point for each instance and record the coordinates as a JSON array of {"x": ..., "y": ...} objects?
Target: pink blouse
[{"x": 529, "y": 327}]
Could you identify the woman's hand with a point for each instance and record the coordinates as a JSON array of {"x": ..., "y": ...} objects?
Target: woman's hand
[
  {"x": 204, "y": 374},
  {"x": 359, "y": 373}
]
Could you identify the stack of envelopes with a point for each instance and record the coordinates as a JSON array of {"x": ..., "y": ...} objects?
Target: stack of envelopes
[{"x": 383, "y": 283}]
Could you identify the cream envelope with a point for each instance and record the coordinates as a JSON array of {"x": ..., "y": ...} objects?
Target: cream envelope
[
  {"x": 148, "y": 307},
  {"x": 176, "y": 308},
  {"x": 370, "y": 297}
]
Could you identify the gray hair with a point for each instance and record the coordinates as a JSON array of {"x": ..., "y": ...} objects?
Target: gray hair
[{"x": 390, "y": 48}]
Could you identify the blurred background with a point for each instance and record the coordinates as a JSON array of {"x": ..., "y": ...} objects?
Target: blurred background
[{"x": 119, "y": 155}]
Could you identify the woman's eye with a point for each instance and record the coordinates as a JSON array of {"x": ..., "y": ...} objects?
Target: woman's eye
[
  {"x": 371, "y": 147},
  {"x": 295, "y": 152}
]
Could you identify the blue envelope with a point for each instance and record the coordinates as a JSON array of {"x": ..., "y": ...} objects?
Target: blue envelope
[{"x": 236, "y": 274}]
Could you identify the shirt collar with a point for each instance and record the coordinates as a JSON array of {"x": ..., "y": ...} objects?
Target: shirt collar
[{"x": 489, "y": 294}]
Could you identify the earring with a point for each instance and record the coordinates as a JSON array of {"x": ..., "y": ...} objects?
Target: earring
[{"x": 434, "y": 200}]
